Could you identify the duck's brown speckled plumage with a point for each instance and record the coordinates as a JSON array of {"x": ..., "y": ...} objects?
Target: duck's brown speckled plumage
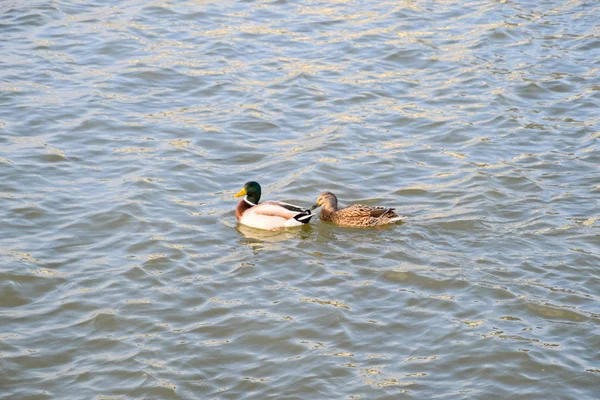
[{"x": 356, "y": 215}]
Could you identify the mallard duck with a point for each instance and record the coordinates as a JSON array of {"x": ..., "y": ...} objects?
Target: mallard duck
[
  {"x": 356, "y": 215},
  {"x": 269, "y": 214}
]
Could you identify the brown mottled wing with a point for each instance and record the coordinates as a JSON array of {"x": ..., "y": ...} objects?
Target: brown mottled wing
[
  {"x": 382, "y": 211},
  {"x": 362, "y": 211},
  {"x": 388, "y": 213},
  {"x": 357, "y": 211}
]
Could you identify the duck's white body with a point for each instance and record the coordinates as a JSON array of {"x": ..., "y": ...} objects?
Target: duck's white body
[{"x": 271, "y": 215}]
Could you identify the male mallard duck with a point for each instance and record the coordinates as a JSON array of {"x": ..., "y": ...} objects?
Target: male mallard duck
[
  {"x": 356, "y": 215},
  {"x": 270, "y": 214}
]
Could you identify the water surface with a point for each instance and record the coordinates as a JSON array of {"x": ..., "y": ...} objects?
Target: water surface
[{"x": 126, "y": 128}]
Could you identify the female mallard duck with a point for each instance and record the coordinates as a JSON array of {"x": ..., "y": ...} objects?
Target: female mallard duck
[
  {"x": 270, "y": 214},
  {"x": 356, "y": 215}
]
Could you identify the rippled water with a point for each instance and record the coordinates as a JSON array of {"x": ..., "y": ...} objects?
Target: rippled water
[{"x": 127, "y": 127}]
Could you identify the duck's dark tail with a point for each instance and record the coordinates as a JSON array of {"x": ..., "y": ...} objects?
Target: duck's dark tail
[
  {"x": 390, "y": 217},
  {"x": 304, "y": 216}
]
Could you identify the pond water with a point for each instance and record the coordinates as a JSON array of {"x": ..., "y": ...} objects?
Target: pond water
[{"x": 127, "y": 127}]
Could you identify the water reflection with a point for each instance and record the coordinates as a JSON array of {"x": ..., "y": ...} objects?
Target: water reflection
[{"x": 258, "y": 236}]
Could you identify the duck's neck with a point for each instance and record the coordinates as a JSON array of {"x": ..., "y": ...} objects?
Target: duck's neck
[
  {"x": 251, "y": 201},
  {"x": 326, "y": 214},
  {"x": 328, "y": 210},
  {"x": 329, "y": 206},
  {"x": 243, "y": 205}
]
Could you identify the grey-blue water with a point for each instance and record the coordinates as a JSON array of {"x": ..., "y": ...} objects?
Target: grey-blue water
[{"x": 127, "y": 127}]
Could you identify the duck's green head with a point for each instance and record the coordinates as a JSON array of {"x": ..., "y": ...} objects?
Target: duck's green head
[{"x": 251, "y": 190}]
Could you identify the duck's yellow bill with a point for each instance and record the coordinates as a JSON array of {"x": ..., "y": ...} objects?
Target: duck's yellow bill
[{"x": 240, "y": 193}]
